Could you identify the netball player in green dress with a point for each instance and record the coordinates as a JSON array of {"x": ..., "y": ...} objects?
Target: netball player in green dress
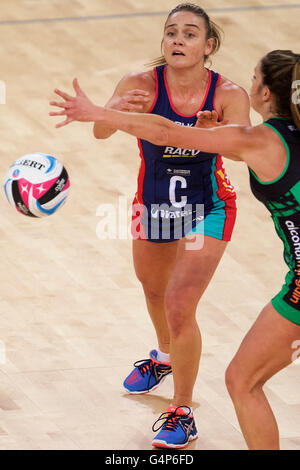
[{"x": 272, "y": 153}]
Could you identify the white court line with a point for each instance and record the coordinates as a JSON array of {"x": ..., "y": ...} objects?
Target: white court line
[{"x": 136, "y": 15}]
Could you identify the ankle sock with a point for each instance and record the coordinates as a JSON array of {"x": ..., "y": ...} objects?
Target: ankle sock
[
  {"x": 163, "y": 357},
  {"x": 182, "y": 409}
]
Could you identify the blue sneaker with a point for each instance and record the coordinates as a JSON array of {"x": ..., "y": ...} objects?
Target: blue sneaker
[
  {"x": 177, "y": 430},
  {"x": 147, "y": 374}
]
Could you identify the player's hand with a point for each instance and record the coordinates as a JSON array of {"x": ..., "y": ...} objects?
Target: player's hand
[
  {"x": 75, "y": 108},
  {"x": 208, "y": 119},
  {"x": 133, "y": 100}
]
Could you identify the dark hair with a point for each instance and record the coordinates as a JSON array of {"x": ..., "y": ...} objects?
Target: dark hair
[
  {"x": 280, "y": 70},
  {"x": 212, "y": 29}
]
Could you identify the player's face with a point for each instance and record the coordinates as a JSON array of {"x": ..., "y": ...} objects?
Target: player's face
[
  {"x": 257, "y": 89},
  {"x": 185, "y": 42}
]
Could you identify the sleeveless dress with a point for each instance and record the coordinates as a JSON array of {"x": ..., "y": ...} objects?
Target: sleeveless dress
[
  {"x": 181, "y": 191},
  {"x": 282, "y": 198}
]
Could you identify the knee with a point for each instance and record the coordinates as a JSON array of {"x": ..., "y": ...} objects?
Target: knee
[
  {"x": 233, "y": 380},
  {"x": 239, "y": 382},
  {"x": 179, "y": 313},
  {"x": 236, "y": 382},
  {"x": 153, "y": 293}
]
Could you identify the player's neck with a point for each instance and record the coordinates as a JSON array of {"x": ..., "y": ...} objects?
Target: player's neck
[
  {"x": 187, "y": 81},
  {"x": 268, "y": 110},
  {"x": 268, "y": 115}
]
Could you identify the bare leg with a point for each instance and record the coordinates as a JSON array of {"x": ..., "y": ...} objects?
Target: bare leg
[
  {"x": 265, "y": 350},
  {"x": 189, "y": 279},
  {"x": 153, "y": 264}
]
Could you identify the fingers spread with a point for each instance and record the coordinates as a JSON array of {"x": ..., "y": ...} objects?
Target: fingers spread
[
  {"x": 61, "y": 104},
  {"x": 204, "y": 115},
  {"x": 136, "y": 99},
  {"x": 64, "y": 123},
  {"x": 131, "y": 107},
  {"x": 214, "y": 115},
  {"x": 64, "y": 95},
  {"x": 138, "y": 92},
  {"x": 57, "y": 113},
  {"x": 76, "y": 87}
]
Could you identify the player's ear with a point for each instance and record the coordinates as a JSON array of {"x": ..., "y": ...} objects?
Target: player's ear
[
  {"x": 266, "y": 94},
  {"x": 209, "y": 46}
]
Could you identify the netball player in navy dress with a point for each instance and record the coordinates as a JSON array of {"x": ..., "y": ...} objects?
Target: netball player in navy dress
[{"x": 180, "y": 193}]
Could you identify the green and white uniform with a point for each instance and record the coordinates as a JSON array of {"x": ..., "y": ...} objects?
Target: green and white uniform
[{"x": 282, "y": 199}]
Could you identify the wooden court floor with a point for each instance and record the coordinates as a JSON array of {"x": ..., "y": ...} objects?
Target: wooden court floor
[{"x": 72, "y": 314}]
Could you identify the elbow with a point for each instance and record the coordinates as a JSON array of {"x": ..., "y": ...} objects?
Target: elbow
[
  {"x": 101, "y": 134},
  {"x": 97, "y": 135}
]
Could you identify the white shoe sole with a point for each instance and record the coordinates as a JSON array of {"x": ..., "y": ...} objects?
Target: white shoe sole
[{"x": 158, "y": 443}]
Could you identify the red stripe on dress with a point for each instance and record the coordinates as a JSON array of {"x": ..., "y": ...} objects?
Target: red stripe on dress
[
  {"x": 137, "y": 229},
  {"x": 226, "y": 190},
  {"x": 227, "y": 194},
  {"x": 141, "y": 176}
]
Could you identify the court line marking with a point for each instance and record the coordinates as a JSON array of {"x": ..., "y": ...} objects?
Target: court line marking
[{"x": 143, "y": 14}]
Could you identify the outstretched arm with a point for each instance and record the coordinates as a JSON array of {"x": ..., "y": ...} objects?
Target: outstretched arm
[{"x": 229, "y": 141}]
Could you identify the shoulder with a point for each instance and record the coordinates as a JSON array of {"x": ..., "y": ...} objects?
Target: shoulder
[
  {"x": 228, "y": 90},
  {"x": 138, "y": 80},
  {"x": 255, "y": 136},
  {"x": 130, "y": 88},
  {"x": 265, "y": 153},
  {"x": 259, "y": 143},
  {"x": 232, "y": 102},
  {"x": 270, "y": 136}
]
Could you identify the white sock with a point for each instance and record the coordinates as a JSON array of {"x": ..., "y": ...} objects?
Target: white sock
[
  {"x": 162, "y": 357},
  {"x": 185, "y": 409}
]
